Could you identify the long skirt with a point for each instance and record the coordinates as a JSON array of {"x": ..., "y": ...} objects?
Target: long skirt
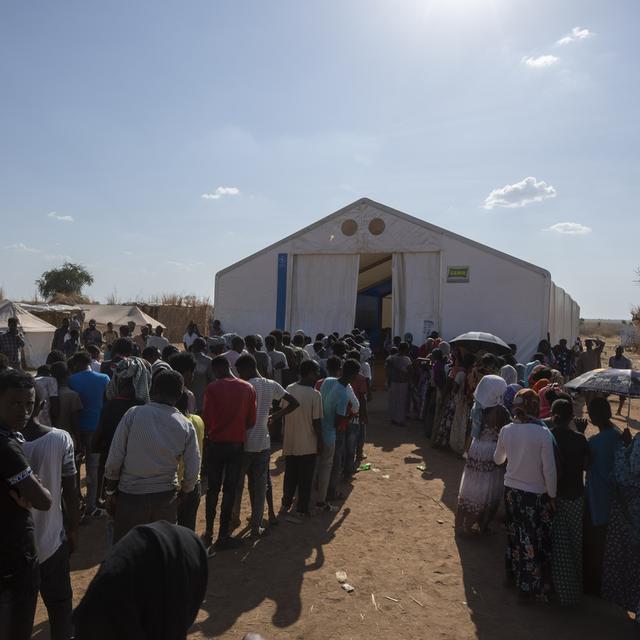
[
  {"x": 621, "y": 571},
  {"x": 458, "y": 437},
  {"x": 481, "y": 488},
  {"x": 442, "y": 428},
  {"x": 529, "y": 523},
  {"x": 566, "y": 559},
  {"x": 398, "y": 402}
]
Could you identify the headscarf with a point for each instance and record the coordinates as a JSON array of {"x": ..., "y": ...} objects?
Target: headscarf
[
  {"x": 509, "y": 395},
  {"x": 541, "y": 384},
  {"x": 490, "y": 391},
  {"x": 509, "y": 374},
  {"x": 445, "y": 347},
  {"x": 150, "y": 587},
  {"x": 557, "y": 377},
  {"x": 526, "y": 406},
  {"x": 408, "y": 338},
  {"x": 132, "y": 369}
]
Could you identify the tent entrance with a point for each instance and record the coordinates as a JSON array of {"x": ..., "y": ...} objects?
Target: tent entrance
[{"x": 373, "y": 305}]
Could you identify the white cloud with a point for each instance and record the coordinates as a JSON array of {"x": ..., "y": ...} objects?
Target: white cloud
[
  {"x": 55, "y": 216},
  {"x": 577, "y": 33},
  {"x": 185, "y": 266},
  {"x": 540, "y": 62},
  {"x": 519, "y": 194},
  {"x": 221, "y": 191},
  {"x": 570, "y": 228},
  {"x": 21, "y": 246}
]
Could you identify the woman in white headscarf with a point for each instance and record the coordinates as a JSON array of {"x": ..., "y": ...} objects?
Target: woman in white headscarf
[
  {"x": 509, "y": 374},
  {"x": 482, "y": 482}
]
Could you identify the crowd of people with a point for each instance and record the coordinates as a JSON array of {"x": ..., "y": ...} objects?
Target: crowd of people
[
  {"x": 572, "y": 504},
  {"x": 157, "y": 427}
]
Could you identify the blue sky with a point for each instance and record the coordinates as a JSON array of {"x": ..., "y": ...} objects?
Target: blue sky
[{"x": 117, "y": 117}]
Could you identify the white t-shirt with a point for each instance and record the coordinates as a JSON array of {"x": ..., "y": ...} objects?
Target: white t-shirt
[
  {"x": 46, "y": 388},
  {"x": 278, "y": 357},
  {"x": 365, "y": 370},
  {"x": 232, "y": 357},
  {"x": 51, "y": 458},
  {"x": 189, "y": 339},
  {"x": 95, "y": 366},
  {"x": 257, "y": 438}
]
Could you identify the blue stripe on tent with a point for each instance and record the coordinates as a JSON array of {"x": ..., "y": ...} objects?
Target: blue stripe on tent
[{"x": 281, "y": 304}]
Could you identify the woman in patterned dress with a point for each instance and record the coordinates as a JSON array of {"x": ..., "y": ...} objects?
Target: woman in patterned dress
[
  {"x": 621, "y": 573},
  {"x": 530, "y": 488},
  {"x": 482, "y": 481}
]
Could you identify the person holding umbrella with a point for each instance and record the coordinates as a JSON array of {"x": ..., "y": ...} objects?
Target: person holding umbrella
[{"x": 620, "y": 361}]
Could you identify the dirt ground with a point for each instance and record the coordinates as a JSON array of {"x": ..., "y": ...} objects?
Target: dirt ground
[{"x": 394, "y": 537}]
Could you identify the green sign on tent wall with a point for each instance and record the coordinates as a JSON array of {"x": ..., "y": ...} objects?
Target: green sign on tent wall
[{"x": 457, "y": 274}]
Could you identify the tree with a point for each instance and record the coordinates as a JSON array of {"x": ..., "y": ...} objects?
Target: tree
[{"x": 67, "y": 279}]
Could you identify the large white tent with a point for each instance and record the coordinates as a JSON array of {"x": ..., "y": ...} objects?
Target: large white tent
[
  {"x": 371, "y": 266},
  {"x": 38, "y": 334}
]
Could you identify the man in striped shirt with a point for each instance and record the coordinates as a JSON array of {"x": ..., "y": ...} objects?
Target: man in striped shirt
[{"x": 140, "y": 472}]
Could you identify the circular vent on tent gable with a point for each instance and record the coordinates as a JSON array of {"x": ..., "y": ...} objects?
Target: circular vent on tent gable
[
  {"x": 376, "y": 226},
  {"x": 349, "y": 227}
]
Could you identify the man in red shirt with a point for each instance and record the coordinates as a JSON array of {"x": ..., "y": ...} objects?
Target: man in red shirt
[{"x": 229, "y": 409}]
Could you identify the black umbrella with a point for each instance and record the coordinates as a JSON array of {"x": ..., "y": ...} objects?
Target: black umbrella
[
  {"x": 624, "y": 382},
  {"x": 481, "y": 341}
]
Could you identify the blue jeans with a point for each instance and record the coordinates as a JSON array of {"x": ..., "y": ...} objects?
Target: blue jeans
[
  {"x": 255, "y": 465},
  {"x": 18, "y": 597},
  {"x": 351, "y": 447},
  {"x": 338, "y": 462}
]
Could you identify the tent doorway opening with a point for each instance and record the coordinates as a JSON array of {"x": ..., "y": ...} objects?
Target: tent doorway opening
[{"x": 373, "y": 304}]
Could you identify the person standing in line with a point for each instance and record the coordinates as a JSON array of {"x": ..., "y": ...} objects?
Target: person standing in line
[
  {"x": 12, "y": 344},
  {"x": 47, "y": 391},
  {"x": 354, "y": 436},
  {"x": 530, "y": 483},
  {"x": 572, "y": 459},
  {"x": 229, "y": 410},
  {"x": 338, "y": 404},
  {"x": 257, "y": 447},
  {"x": 109, "y": 336},
  {"x": 91, "y": 335},
  {"x": 140, "y": 472},
  {"x": 599, "y": 490},
  {"x": 59, "y": 335},
  {"x": 398, "y": 369},
  {"x": 302, "y": 442},
  {"x": 91, "y": 387},
  {"x": 280, "y": 373},
  {"x": 288, "y": 373},
  {"x": 188, "y": 507},
  {"x": 237, "y": 350},
  {"x": 142, "y": 338},
  {"x": 620, "y": 361},
  {"x": 20, "y": 489},
  {"x": 202, "y": 374},
  {"x": 591, "y": 358},
  {"x": 191, "y": 334},
  {"x": 157, "y": 340},
  {"x": 70, "y": 405},
  {"x": 51, "y": 457},
  {"x": 621, "y": 573},
  {"x": 263, "y": 361}
]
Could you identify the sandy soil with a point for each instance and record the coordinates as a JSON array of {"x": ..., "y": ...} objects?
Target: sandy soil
[{"x": 394, "y": 537}]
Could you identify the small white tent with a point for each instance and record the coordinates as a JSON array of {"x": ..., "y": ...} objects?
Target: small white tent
[
  {"x": 119, "y": 314},
  {"x": 38, "y": 334}
]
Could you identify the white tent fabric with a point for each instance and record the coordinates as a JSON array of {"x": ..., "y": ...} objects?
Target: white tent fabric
[
  {"x": 38, "y": 334},
  {"x": 416, "y": 294},
  {"x": 119, "y": 314},
  {"x": 321, "y": 285}
]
